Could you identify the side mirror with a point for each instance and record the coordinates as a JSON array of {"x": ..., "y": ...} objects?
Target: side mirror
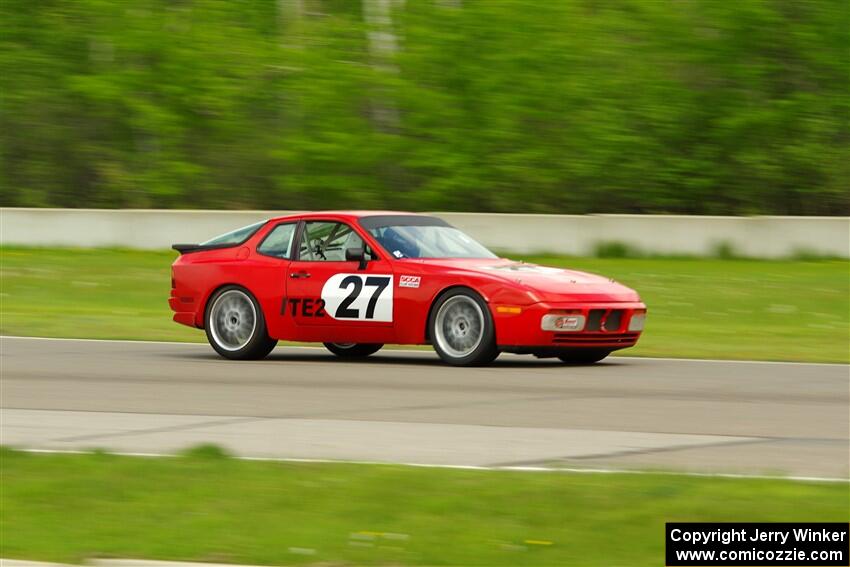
[{"x": 357, "y": 255}]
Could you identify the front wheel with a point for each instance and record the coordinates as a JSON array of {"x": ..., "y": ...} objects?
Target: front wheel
[
  {"x": 235, "y": 325},
  {"x": 589, "y": 356},
  {"x": 461, "y": 329},
  {"x": 353, "y": 350}
]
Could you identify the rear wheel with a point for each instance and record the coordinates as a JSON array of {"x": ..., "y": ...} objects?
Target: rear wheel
[
  {"x": 235, "y": 325},
  {"x": 461, "y": 329},
  {"x": 353, "y": 350},
  {"x": 589, "y": 356}
]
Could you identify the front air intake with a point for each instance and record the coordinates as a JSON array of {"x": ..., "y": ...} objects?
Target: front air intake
[{"x": 613, "y": 320}]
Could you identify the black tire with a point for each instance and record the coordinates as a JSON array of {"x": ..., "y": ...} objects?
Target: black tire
[
  {"x": 353, "y": 350},
  {"x": 258, "y": 343},
  {"x": 478, "y": 351},
  {"x": 589, "y": 356}
]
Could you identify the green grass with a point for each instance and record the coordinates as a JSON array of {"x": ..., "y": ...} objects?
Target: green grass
[
  {"x": 206, "y": 507},
  {"x": 83, "y": 293},
  {"x": 712, "y": 308}
]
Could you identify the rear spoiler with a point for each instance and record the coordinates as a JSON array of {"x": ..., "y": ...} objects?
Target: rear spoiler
[
  {"x": 189, "y": 248},
  {"x": 186, "y": 248}
]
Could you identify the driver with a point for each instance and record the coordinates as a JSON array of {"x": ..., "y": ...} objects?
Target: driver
[{"x": 398, "y": 244}]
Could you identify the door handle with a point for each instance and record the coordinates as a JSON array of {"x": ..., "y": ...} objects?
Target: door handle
[{"x": 299, "y": 275}]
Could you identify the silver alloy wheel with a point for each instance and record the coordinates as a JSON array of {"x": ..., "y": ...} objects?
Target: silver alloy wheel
[
  {"x": 233, "y": 320},
  {"x": 459, "y": 326},
  {"x": 344, "y": 345}
]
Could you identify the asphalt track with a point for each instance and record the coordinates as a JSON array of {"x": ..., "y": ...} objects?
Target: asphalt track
[{"x": 405, "y": 406}]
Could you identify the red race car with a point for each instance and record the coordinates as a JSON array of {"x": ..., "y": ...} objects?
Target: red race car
[{"x": 358, "y": 280}]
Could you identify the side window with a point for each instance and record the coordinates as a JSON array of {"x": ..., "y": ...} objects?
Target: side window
[
  {"x": 324, "y": 241},
  {"x": 278, "y": 242},
  {"x": 238, "y": 236}
]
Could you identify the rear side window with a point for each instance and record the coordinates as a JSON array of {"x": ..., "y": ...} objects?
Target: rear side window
[
  {"x": 278, "y": 242},
  {"x": 238, "y": 236}
]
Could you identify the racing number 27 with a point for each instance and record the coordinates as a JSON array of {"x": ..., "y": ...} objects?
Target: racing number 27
[{"x": 355, "y": 284}]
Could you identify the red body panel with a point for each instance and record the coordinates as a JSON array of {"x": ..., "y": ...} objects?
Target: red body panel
[{"x": 290, "y": 294}]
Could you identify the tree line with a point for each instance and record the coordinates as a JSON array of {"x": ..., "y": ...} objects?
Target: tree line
[{"x": 573, "y": 106}]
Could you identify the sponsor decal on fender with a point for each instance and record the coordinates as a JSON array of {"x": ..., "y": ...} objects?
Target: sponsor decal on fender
[{"x": 409, "y": 281}]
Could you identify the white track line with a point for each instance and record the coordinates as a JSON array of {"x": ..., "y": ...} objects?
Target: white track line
[
  {"x": 473, "y": 467},
  {"x": 411, "y": 351}
]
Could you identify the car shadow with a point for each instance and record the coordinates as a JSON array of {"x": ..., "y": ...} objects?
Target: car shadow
[{"x": 424, "y": 358}]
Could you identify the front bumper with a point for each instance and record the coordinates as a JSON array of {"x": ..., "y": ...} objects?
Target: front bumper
[{"x": 607, "y": 326}]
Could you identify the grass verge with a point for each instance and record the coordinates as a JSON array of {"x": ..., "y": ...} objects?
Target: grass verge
[
  {"x": 712, "y": 308},
  {"x": 206, "y": 507}
]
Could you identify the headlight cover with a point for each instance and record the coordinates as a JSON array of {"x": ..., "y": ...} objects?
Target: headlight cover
[{"x": 637, "y": 321}]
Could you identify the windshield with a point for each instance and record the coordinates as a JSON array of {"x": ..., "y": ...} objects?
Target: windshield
[{"x": 405, "y": 241}]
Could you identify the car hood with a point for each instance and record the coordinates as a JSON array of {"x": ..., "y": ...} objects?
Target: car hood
[{"x": 544, "y": 282}]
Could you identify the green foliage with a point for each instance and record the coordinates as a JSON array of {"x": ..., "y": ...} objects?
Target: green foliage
[
  {"x": 205, "y": 451},
  {"x": 615, "y": 249},
  {"x": 724, "y": 251},
  {"x": 628, "y": 106}
]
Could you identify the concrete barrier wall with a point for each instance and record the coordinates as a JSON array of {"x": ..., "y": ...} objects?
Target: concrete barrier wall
[{"x": 763, "y": 237}]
